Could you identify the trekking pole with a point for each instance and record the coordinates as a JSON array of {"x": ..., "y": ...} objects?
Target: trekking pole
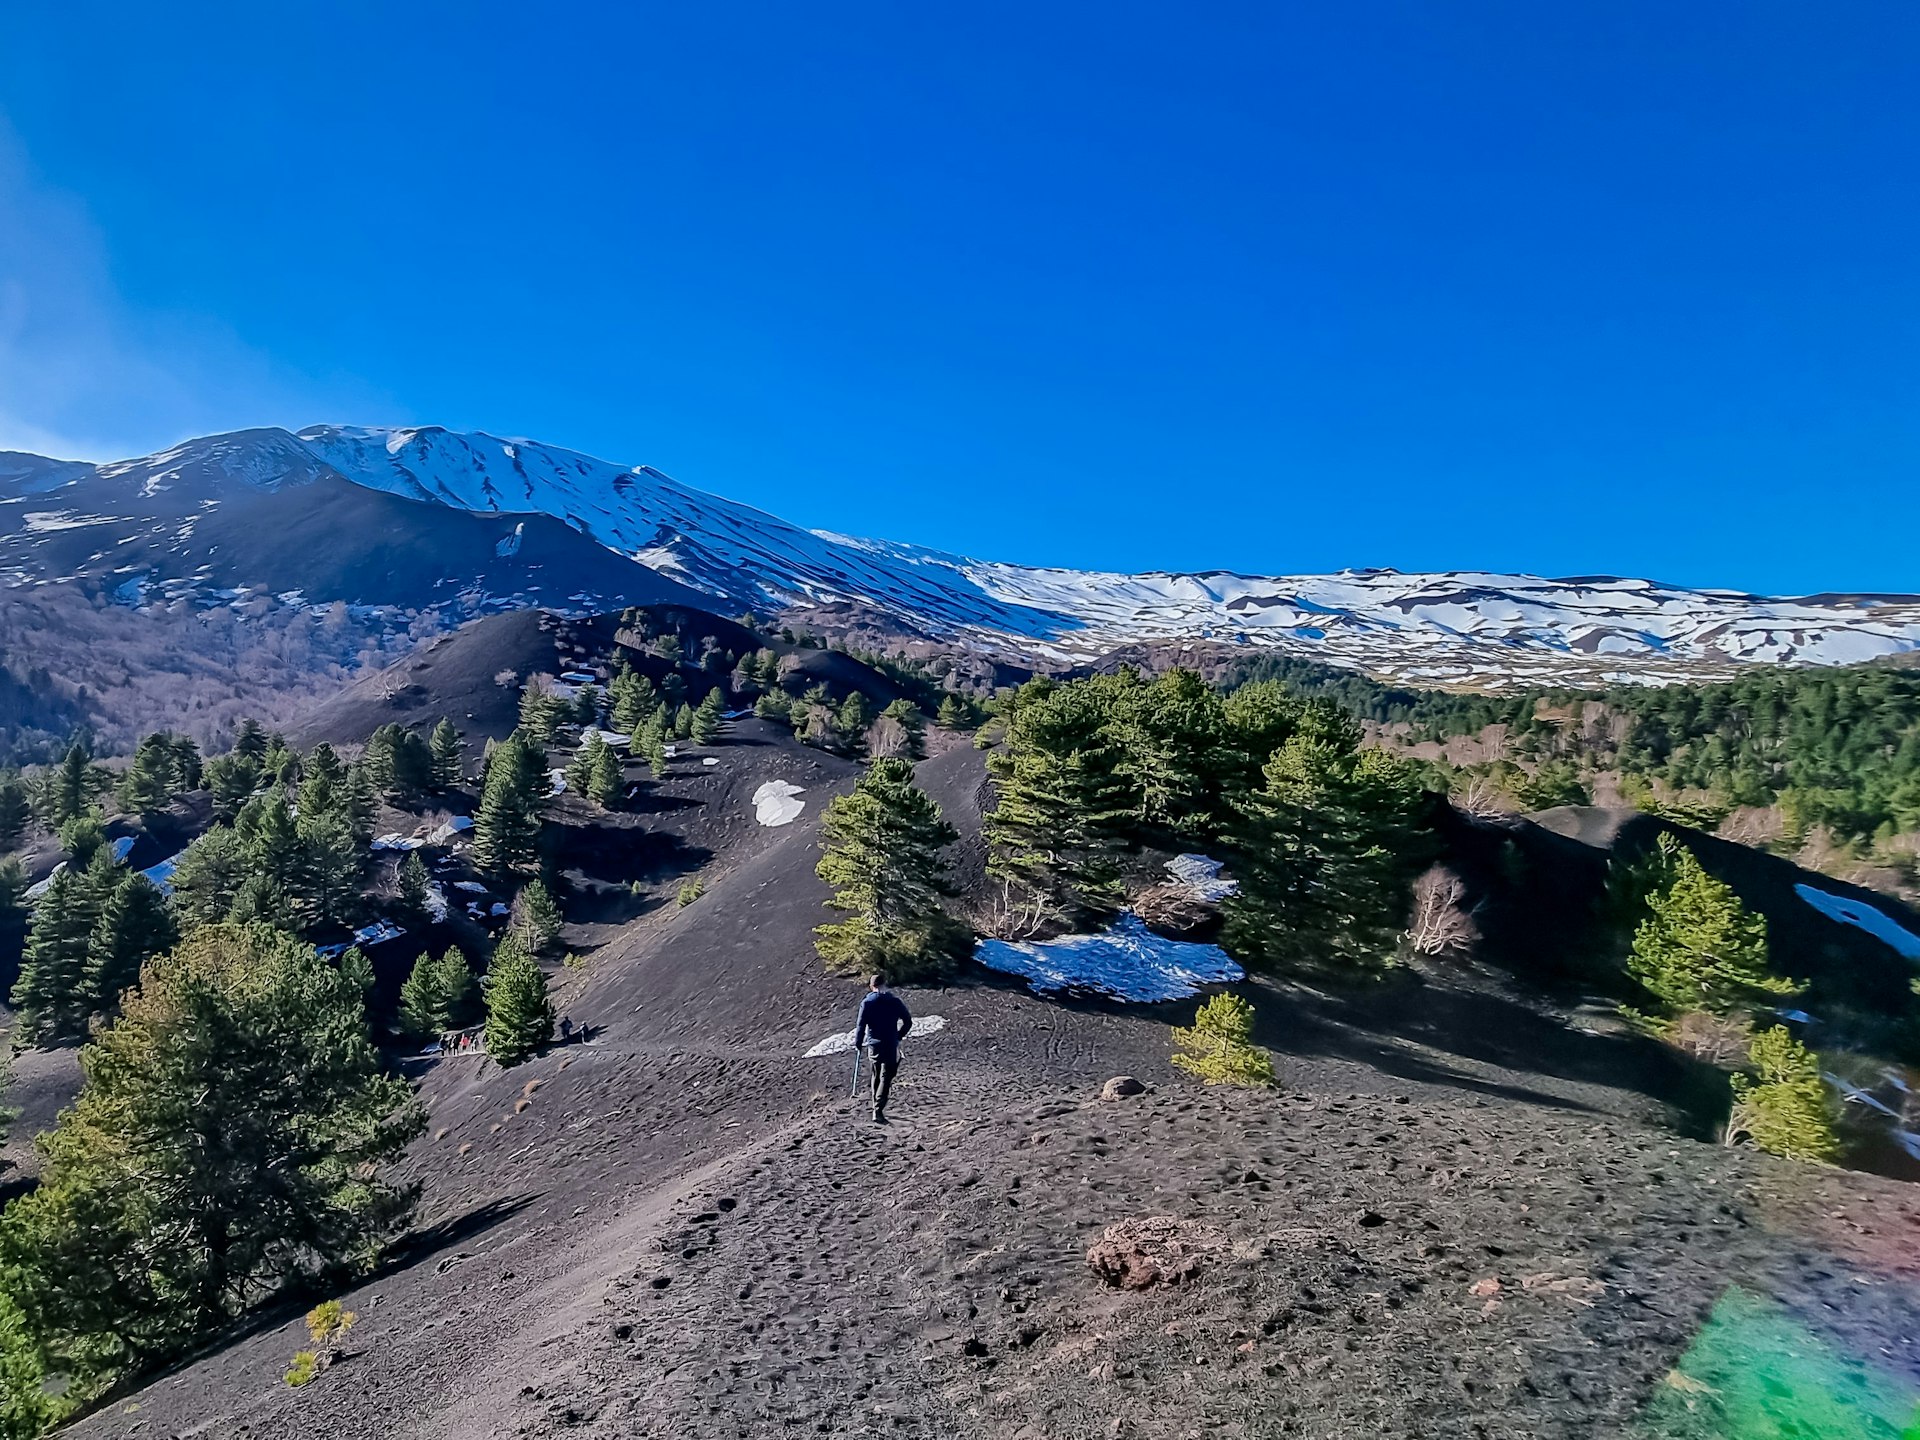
[{"x": 856, "y": 1074}]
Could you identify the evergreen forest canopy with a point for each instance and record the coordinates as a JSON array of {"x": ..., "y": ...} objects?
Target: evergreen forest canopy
[{"x": 1837, "y": 747}]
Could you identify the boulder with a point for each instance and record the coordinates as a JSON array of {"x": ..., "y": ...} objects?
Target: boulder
[{"x": 1121, "y": 1086}]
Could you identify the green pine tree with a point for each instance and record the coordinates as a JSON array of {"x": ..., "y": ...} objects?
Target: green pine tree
[
  {"x": 1219, "y": 1048},
  {"x": 413, "y": 899},
  {"x": 1061, "y": 825},
  {"x": 423, "y": 998},
  {"x": 580, "y": 768},
  {"x": 706, "y": 719},
  {"x": 444, "y": 752},
  {"x": 231, "y": 780},
  {"x": 519, "y": 1012},
  {"x": 535, "y": 921},
  {"x": 506, "y": 829},
  {"x": 607, "y": 783},
  {"x": 229, "y": 1141},
  {"x": 901, "y": 730},
  {"x": 457, "y": 987},
  {"x": 883, "y": 844},
  {"x": 953, "y": 714},
  {"x": 147, "y": 787},
  {"x": 16, "y": 807},
  {"x": 207, "y": 877},
  {"x": 1699, "y": 948},
  {"x": 250, "y": 741},
  {"x": 134, "y": 926},
  {"x": 70, "y": 788},
  {"x": 1325, "y": 852},
  {"x": 1785, "y": 1108}
]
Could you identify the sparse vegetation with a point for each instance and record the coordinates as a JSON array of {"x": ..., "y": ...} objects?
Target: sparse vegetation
[
  {"x": 1784, "y": 1107},
  {"x": 1218, "y": 1049},
  {"x": 690, "y": 892}
]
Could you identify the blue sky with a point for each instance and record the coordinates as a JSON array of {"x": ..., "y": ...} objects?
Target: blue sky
[{"x": 1624, "y": 287}]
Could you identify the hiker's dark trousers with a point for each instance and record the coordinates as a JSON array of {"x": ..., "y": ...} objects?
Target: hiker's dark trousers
[{"x": 884, "y": 1066}]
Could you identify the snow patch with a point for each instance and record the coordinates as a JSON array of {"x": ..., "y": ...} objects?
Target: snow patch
[
  {"x": 1126, "y": 960},
  {"x": 1201, "y": 875},
  {"x": 777, "y": 803},
  {"x": 1876, "y": 923},
  {"x": 843, "y": 1042}
]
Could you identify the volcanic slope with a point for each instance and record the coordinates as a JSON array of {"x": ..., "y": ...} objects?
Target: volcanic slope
[{"x": 682, "y": 1226}]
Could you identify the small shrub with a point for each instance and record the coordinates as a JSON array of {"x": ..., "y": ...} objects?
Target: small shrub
[
  {"x": 304, "y": 1370},
  {"x": 690, "y": 892},
  {"x": 1218, "y": 1049},
  {"x": 574, "y": 962},
  {"x": 1784, "y": 1108},
  {"x": 328, "y": 1322}
]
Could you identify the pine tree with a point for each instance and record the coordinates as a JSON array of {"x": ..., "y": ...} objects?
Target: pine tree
[
  {"x": 683, "y": 723},
  {"x": 852, "y": 719},
  {"x": 1325, "y": 852},
  {"x": 1060, "y": 826},
  {"x": 456, "y": 987},
  {"x": 542, "y": 712},
  {"x": 444, "y": 750},
  {"x": 51, "y": 992},
  {"x": 71, "y": 787},
  {"x": 13, "y": 913},
  {"x": 519, "y": 1013},
  {"x": 657, "y": 756},
  {"x": 900, "y": 730},
  {"x": 399, "y": 763},
  {"x": 1700, "y": 949},
  {"x": 27, "y": 1406},
  {"x": 145, "y": 1237},
  {"x": 134, "y": 926},
  {"x": 883, "y": 859},
  {"x": 231, "y": 780},
  {"x": 1785, "y": 1109},
  {"x": 186, "y": 763},
  {"x": 580, "y": 768},
  {"x": 535, "y": 921},
  {"x": 423, "y": 998},
  {"x": 362, "y": 803},
  {"x": 634, "y": 698},
  {"x": 607, "y": 784},
  {"x": 147, "y": 786},
  {"x": 250, "y": 741},
  {"x": 506, "y": 830},
  {"x": 16, "y": 807},
  {"x": 82, "y": 836},
  {"x": 586, "y": 706},
  {"x": 323, "y": 782},
  {"x": 953, "y": 715},
  {"x": 414, "y": 900},
  {"x": 1219, "y": 1049},
  {"x": 706, "y": 719}
]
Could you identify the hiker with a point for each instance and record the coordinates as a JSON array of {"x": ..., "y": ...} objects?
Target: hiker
[
  {"x": 566, "y": 1029},
  {"x": 884, "y": 1019}
]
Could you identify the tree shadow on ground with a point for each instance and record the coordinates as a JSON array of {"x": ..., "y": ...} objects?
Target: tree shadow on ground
[{"x": 1411, "y": 1028}]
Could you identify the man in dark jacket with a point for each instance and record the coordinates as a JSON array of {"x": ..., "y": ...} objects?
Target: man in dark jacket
[{"x": 884, "y": 1019}]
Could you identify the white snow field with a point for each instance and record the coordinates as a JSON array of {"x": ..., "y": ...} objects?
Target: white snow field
[
  {"x": 1126, "y": 961},
  {"x": 1877, "y": 923},
  {"x": 1453, "y": 626},
  {"x": 841, "y": 1043}
]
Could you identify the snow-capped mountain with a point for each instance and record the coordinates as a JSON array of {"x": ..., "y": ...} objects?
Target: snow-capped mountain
[{"x": 138, "y": 520}]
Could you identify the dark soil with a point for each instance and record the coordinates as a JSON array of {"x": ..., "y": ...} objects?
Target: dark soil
[{"x": 1462, "y": 1212}]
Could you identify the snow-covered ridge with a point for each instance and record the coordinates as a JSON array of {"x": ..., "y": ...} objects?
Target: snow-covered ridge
[{"x": 1451, "y": 626}]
